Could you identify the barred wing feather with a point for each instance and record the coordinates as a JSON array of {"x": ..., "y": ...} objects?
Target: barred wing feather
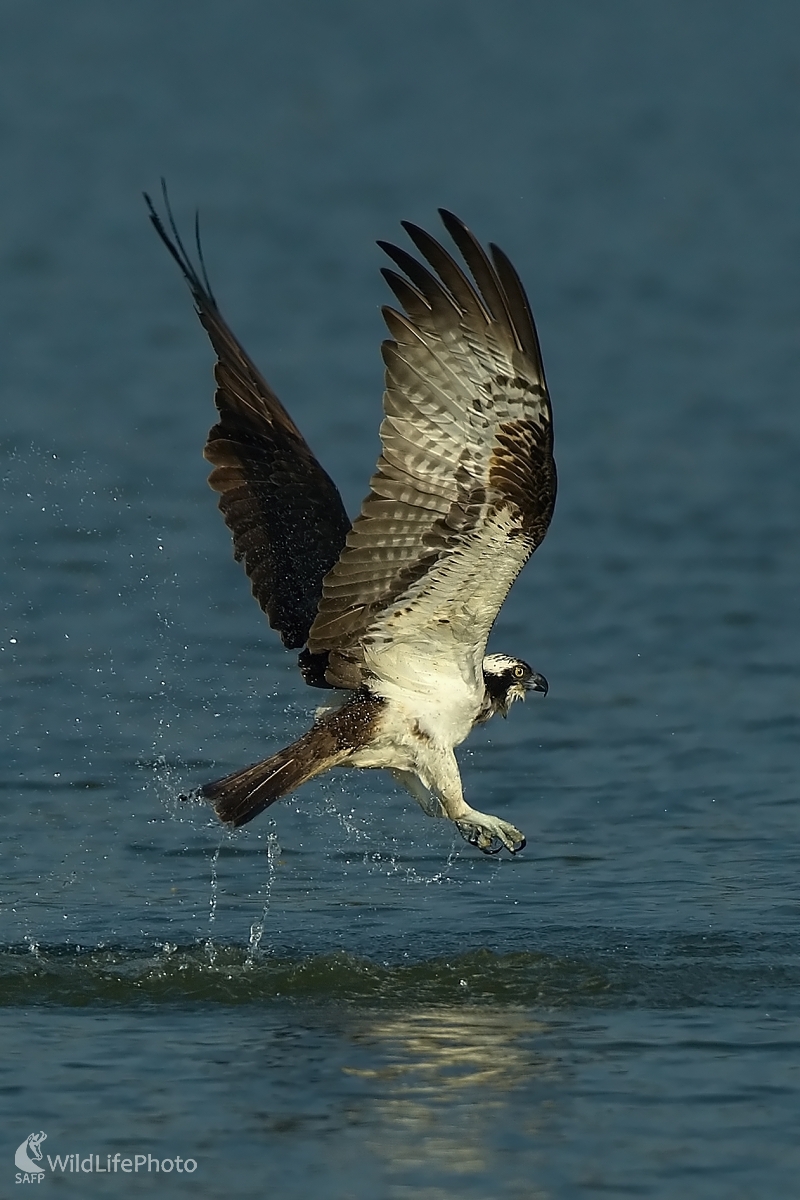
[{"x": 465, "y": 485}]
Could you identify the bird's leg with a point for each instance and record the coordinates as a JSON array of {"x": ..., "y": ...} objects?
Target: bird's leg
[
  {"x": 427, "y": 800},
  {"x": 486, "y": 832}
]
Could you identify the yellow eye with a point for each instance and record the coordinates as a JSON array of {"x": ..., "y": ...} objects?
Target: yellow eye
[{"x": 519, "y": 672}]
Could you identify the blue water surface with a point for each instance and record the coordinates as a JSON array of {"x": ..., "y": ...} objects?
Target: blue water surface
[{"x": 343, "y": 1000}]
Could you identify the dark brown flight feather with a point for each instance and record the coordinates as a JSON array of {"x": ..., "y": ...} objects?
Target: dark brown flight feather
[{"x": 285, "y": 513}]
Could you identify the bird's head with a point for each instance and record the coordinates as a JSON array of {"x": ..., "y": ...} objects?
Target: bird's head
[{"x": 509, "y": 679}]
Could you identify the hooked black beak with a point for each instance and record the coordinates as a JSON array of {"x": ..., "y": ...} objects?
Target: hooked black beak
[{"x": 537, "y": 683}]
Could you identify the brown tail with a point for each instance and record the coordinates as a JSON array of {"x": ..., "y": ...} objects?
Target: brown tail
[{"x": 239, "y": 797}]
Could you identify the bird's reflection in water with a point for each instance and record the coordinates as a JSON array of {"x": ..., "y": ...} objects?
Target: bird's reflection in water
[{"x": 442, "y": 1101}]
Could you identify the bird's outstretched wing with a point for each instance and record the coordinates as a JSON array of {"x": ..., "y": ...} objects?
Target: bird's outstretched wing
[
  {"x": 285, "y": 513},
  {"x": 465, "y": 485}
]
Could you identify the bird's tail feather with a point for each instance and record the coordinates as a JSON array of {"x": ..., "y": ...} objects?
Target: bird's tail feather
[{"x": 239, "y": 797}]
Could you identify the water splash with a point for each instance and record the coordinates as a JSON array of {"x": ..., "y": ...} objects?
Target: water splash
[
  {"x": 33, "y": 946},
  {"x": 390, "y": 860},
  {"x": 356, "y": 828},
  {"x": 211, "y": 949},
  {"x": 257, "y": 928},
  {"x": 586, "y": 966},
  {"x": 176, "y": 974},
  {"x": 391, "y": 866}
]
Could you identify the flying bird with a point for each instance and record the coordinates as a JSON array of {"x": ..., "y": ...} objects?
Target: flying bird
[{"x": 393, "y": 612}]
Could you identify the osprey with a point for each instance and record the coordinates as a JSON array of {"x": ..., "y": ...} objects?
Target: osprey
[{"x": 394, "y": 611}]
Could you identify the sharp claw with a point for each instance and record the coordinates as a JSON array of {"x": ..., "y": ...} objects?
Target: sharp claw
[{"x": 489, "y": 841}]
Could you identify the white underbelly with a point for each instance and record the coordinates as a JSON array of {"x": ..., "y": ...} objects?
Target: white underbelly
[
  {"x": 413, "y": 733},
  {"x": 440, "y": 698}
]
